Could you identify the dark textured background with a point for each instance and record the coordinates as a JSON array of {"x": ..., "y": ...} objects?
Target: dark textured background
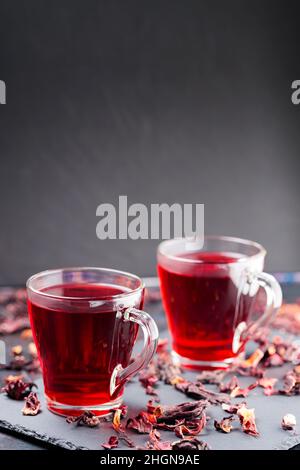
[{"x": 164, "y": 101}]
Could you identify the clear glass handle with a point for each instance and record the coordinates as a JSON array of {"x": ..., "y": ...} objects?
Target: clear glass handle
[
  {"x": 120, "y": 375},
  {"x": 273, "y": 292}
]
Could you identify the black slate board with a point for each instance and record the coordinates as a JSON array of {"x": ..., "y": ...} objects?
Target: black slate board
[{"x": 48, "y": 429}]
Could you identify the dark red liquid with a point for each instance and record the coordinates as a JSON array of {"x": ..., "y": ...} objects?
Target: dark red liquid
[
  {"x": 200, "y": 302},
  {"x": 78, "y": 351}
]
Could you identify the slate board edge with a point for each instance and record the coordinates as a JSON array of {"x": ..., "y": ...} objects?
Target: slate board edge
[
  {"x": 289, "y": 443},
  {"x": 44, "y": 438}
]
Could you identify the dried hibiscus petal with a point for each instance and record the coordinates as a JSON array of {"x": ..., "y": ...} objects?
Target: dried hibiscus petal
[
  {"x": 32, "y": 349},
  {"x": 32, "y": 405},
  {"x": 26, "y": 334},
  {"x": 224, "y": 425},
  {"x": 291, "y": 383},
  {"x": 17, "y": 350},
  {"x": 242, "y": 392},
  {"x": 143, "y": 423},
  {"x": 211, "y": 377},
  {"x": 247, "y": 420},
  {"x": 288, "y": 422},
  {"x": 162, "y": 345},
  {"x": 230, "y": 385},
  {"x": 268, "y": 383},
  {"x": 112, "y": 443},
  {"x": 191, "y": 428},
  {"x": 148, "y": 378},
  {"x": 155, "y": 443},
  {"x": 116, "y": 422},
  {"x": 187, "y": 411},
  {"x": 16, "y": 388},
  {"x": 123, "y": 409},
  {"x": 190, "y": 444},
  {"x": 253, "y": 360},
  {"x": 165, "y": 369},
  {"x": 119, "y": 427},
  {"x": 88, "y": 418},
  {"x": 151, "y": 407},
  {"x": 275, "y": 360},
  {"x": 170, "y": 427},
  {"x": 232, "y": 409},
  {"x": 199, "y": 392}
]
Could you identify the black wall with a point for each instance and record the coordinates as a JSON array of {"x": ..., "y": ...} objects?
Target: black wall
[{"x": 164, "y": 101}]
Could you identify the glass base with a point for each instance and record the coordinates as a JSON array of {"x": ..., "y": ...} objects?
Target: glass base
[
  {"x": 71, "y": 410},
  {"x": 201, "y": 365}
]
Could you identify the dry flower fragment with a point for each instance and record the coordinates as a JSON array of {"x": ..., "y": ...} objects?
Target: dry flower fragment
[
  {"x": 116, "y": 422},
  {"x": 26, "y": 334},
  {"x": 224, "y": 425},
  {"x": 190, "y": 444},
  {"x": 247, "y": 420},
  {"x": 16, "y": 388},
  {"x": 199, "y": 392},
  {"x": 288, "y": 422},
  {"x": 88, "y": 418},
  {"x": 143, "y": 423},
  {"x": 17, "y": 350},
  {"x": 253, "y": 360},
  {"x": 230, "y": 385},
  {"x": 112, "y": 443},
  {"x": 32, "y": 405},
  {"x": 214, "y": 377},
  {"x": 242, "y": 392},
  {"x": 187, "y": 411},
  {"x": 32, "y": 349},
  {"x": 231, "y": 408},
  {"x": 191, "y": 428},
  {"x": 268, "y": 384},
  {"x": 155, "y": 443}
]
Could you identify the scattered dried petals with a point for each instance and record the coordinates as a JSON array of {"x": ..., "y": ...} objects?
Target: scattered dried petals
[{"x": 32, "y": 405}]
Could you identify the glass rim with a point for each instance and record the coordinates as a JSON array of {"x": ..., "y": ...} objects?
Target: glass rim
[
  {"x": 261, "y": 251},
  {"x": 107, "y": 298}
]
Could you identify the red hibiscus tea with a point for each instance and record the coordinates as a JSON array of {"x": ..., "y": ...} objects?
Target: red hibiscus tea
[
  {"x": 82, "y": 338},
  {"x": 207, "y": 298},
  {"x": 200, "y": 305}
]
